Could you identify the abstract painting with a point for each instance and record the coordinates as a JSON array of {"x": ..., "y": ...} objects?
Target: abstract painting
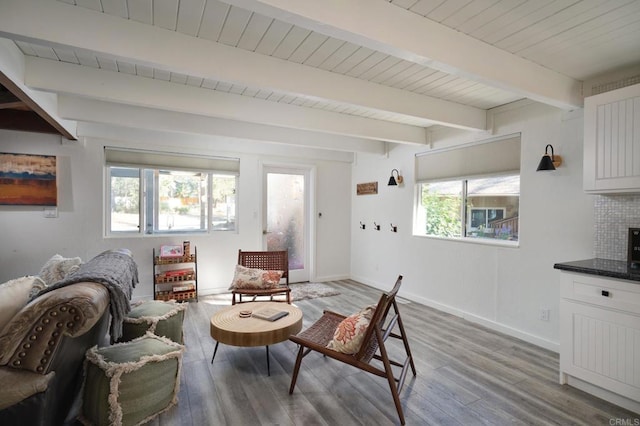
[{"x": 28, "y": 180}]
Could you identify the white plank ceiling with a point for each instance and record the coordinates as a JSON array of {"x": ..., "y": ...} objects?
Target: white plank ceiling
[{"x": 501, "y": 51}]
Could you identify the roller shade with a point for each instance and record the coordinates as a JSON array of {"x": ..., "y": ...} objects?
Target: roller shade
[
  {"x": 170, "y": 161},
  {"x": 471, "y": 160}
]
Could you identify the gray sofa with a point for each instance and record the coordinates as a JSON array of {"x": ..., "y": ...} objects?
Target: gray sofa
[
  {"x": 43, "y": 346},
  {"x": 42, "y": 351}
]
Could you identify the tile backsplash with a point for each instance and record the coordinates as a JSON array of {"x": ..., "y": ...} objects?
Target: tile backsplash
[{"x": 614, "y": 215}]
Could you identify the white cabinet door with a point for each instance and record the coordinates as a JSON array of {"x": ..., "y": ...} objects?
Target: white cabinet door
[
  {"x": 600, "y": 337},
  {"x": 612, "y": 141},
  {"x": 600, "y": 346}
]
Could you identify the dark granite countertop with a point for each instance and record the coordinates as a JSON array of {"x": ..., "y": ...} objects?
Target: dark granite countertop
[{"x": 602, "y": 267}]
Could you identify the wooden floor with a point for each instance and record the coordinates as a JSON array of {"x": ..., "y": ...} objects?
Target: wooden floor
[{"x": 467, "y": 375}]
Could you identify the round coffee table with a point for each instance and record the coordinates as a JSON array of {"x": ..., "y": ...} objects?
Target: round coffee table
[{"x": 229, "y": 328}]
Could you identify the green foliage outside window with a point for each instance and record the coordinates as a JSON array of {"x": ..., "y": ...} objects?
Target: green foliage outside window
[{"x": 442, "y": 213}]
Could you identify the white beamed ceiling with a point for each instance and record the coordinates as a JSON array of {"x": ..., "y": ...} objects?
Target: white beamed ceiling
[{"x": 407, "y": 63}]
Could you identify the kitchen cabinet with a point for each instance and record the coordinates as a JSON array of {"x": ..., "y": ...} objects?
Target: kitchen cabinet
[
  {"x": 612, "y": 141},
  {"x": 600, "y": 337}
]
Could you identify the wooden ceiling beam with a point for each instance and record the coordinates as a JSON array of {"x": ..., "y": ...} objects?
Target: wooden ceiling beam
[
  {"x": 122, "y": 88},
  {"x": 14, "y": 105},
  {"x": 39, "y": 21},
  {"x": 385, "y": 27},
  {"x": 12, "y": 66},
  {"x": 25, "y": 121},
  {"x": 47, "y": 121}
]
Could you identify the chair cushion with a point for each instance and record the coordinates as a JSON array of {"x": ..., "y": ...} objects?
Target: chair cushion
[
  {"x": 350, "y": 332},
  {"x": 251, "y": 278}
]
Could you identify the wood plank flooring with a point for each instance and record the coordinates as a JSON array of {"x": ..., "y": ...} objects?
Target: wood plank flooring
[{"x": 467, "y": 375}]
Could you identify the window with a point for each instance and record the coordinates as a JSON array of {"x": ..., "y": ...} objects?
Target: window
[
  {"x": 157, "y": 200},
  {"x": 450, "y": 204},
  {"x": 491, "y": 208}
]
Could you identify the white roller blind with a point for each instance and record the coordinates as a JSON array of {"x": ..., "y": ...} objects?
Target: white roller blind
[
  {"x": 171, "y": 161},
  {"x": 471, "y": 160}
]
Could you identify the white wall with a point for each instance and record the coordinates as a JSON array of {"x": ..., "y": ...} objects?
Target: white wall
[
  {"x": 501, "y": 287},
  {"x": 29, "y": 239}
]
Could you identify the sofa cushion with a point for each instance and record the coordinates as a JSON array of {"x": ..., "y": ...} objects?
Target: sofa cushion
[
  {"x": 59, "y": 267},
  {"x": 14, "y": 295},
  {"x": 18, "y": 385},
  {"x": 251, "y": 278}
]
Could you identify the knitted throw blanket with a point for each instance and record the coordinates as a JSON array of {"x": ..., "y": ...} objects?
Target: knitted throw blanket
[{"x": 118, "y": 272}]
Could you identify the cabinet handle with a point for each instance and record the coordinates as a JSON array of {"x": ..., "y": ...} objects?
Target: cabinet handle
[{"x": 605, "y": 293}]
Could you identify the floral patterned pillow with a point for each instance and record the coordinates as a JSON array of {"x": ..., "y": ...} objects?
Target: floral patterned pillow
[
  {"x": 350, "y": 332},
  {"x": 250, "y": 278}
]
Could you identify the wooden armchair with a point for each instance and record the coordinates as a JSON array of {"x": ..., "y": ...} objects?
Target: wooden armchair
[
  {"x": 269, "y": 261},
  {"x": 318, "y": 335}
]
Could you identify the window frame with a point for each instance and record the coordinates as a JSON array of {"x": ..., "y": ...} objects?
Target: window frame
[
  {"x": 419, "y": 213},
  {"x": 148, "y": 203}
]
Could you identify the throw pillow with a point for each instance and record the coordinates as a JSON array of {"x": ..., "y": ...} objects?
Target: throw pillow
[
  {"x": 350, "y": 332},
  {"x": 58, "y": 267},
  {"x": 37, "y": 287},
  {"x": 251, "y": 278},
  {"x": 14, "y": 295}
]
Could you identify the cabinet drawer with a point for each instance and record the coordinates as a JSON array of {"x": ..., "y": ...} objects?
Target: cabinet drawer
[{"x": 608, "y": 293}]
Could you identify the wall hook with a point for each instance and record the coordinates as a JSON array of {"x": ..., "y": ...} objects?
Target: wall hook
[
  {"x": 376, "y": 226},
  {"x": 362, "y": 225},
  {"x": 394, "y": 228}
]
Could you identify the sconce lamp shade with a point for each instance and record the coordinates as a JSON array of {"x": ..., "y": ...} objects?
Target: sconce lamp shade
[
  {"x": 393, "y": 181},
  {"x": 546, "y": 163},
  {"x": 549, "y": 162}
]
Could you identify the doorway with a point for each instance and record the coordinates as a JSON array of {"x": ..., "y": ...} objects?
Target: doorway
[{"x": 286, "y": 217}]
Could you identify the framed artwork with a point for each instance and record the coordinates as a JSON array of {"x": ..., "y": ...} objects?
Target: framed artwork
[
  {"x": 171, "y": 251},
  {"x": 28, "y": 180}
]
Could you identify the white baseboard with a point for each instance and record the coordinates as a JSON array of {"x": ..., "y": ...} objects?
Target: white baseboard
[
  {"x": 331, "y": 278},
  {"x": 493, "y": 325},
  {"x": 605, "y": 394}
]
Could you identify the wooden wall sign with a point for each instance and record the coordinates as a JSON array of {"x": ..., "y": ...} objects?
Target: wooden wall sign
[{"x": 367, "y": 188}]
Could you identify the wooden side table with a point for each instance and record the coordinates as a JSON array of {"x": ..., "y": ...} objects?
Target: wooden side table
[{"x": 229, "y": 328}]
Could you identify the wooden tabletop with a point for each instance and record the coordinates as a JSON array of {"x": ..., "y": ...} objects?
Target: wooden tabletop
[{"x": 227, "y": 327}]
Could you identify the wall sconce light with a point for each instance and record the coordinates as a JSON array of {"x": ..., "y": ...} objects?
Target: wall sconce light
[
  {"x": 394, "y": 228},
  {"x": 549, "y": 162},
  {"x": 362, "y": 225},
  {"x": 393, "y": 181},
  {"x": 376, "y": 226}
]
